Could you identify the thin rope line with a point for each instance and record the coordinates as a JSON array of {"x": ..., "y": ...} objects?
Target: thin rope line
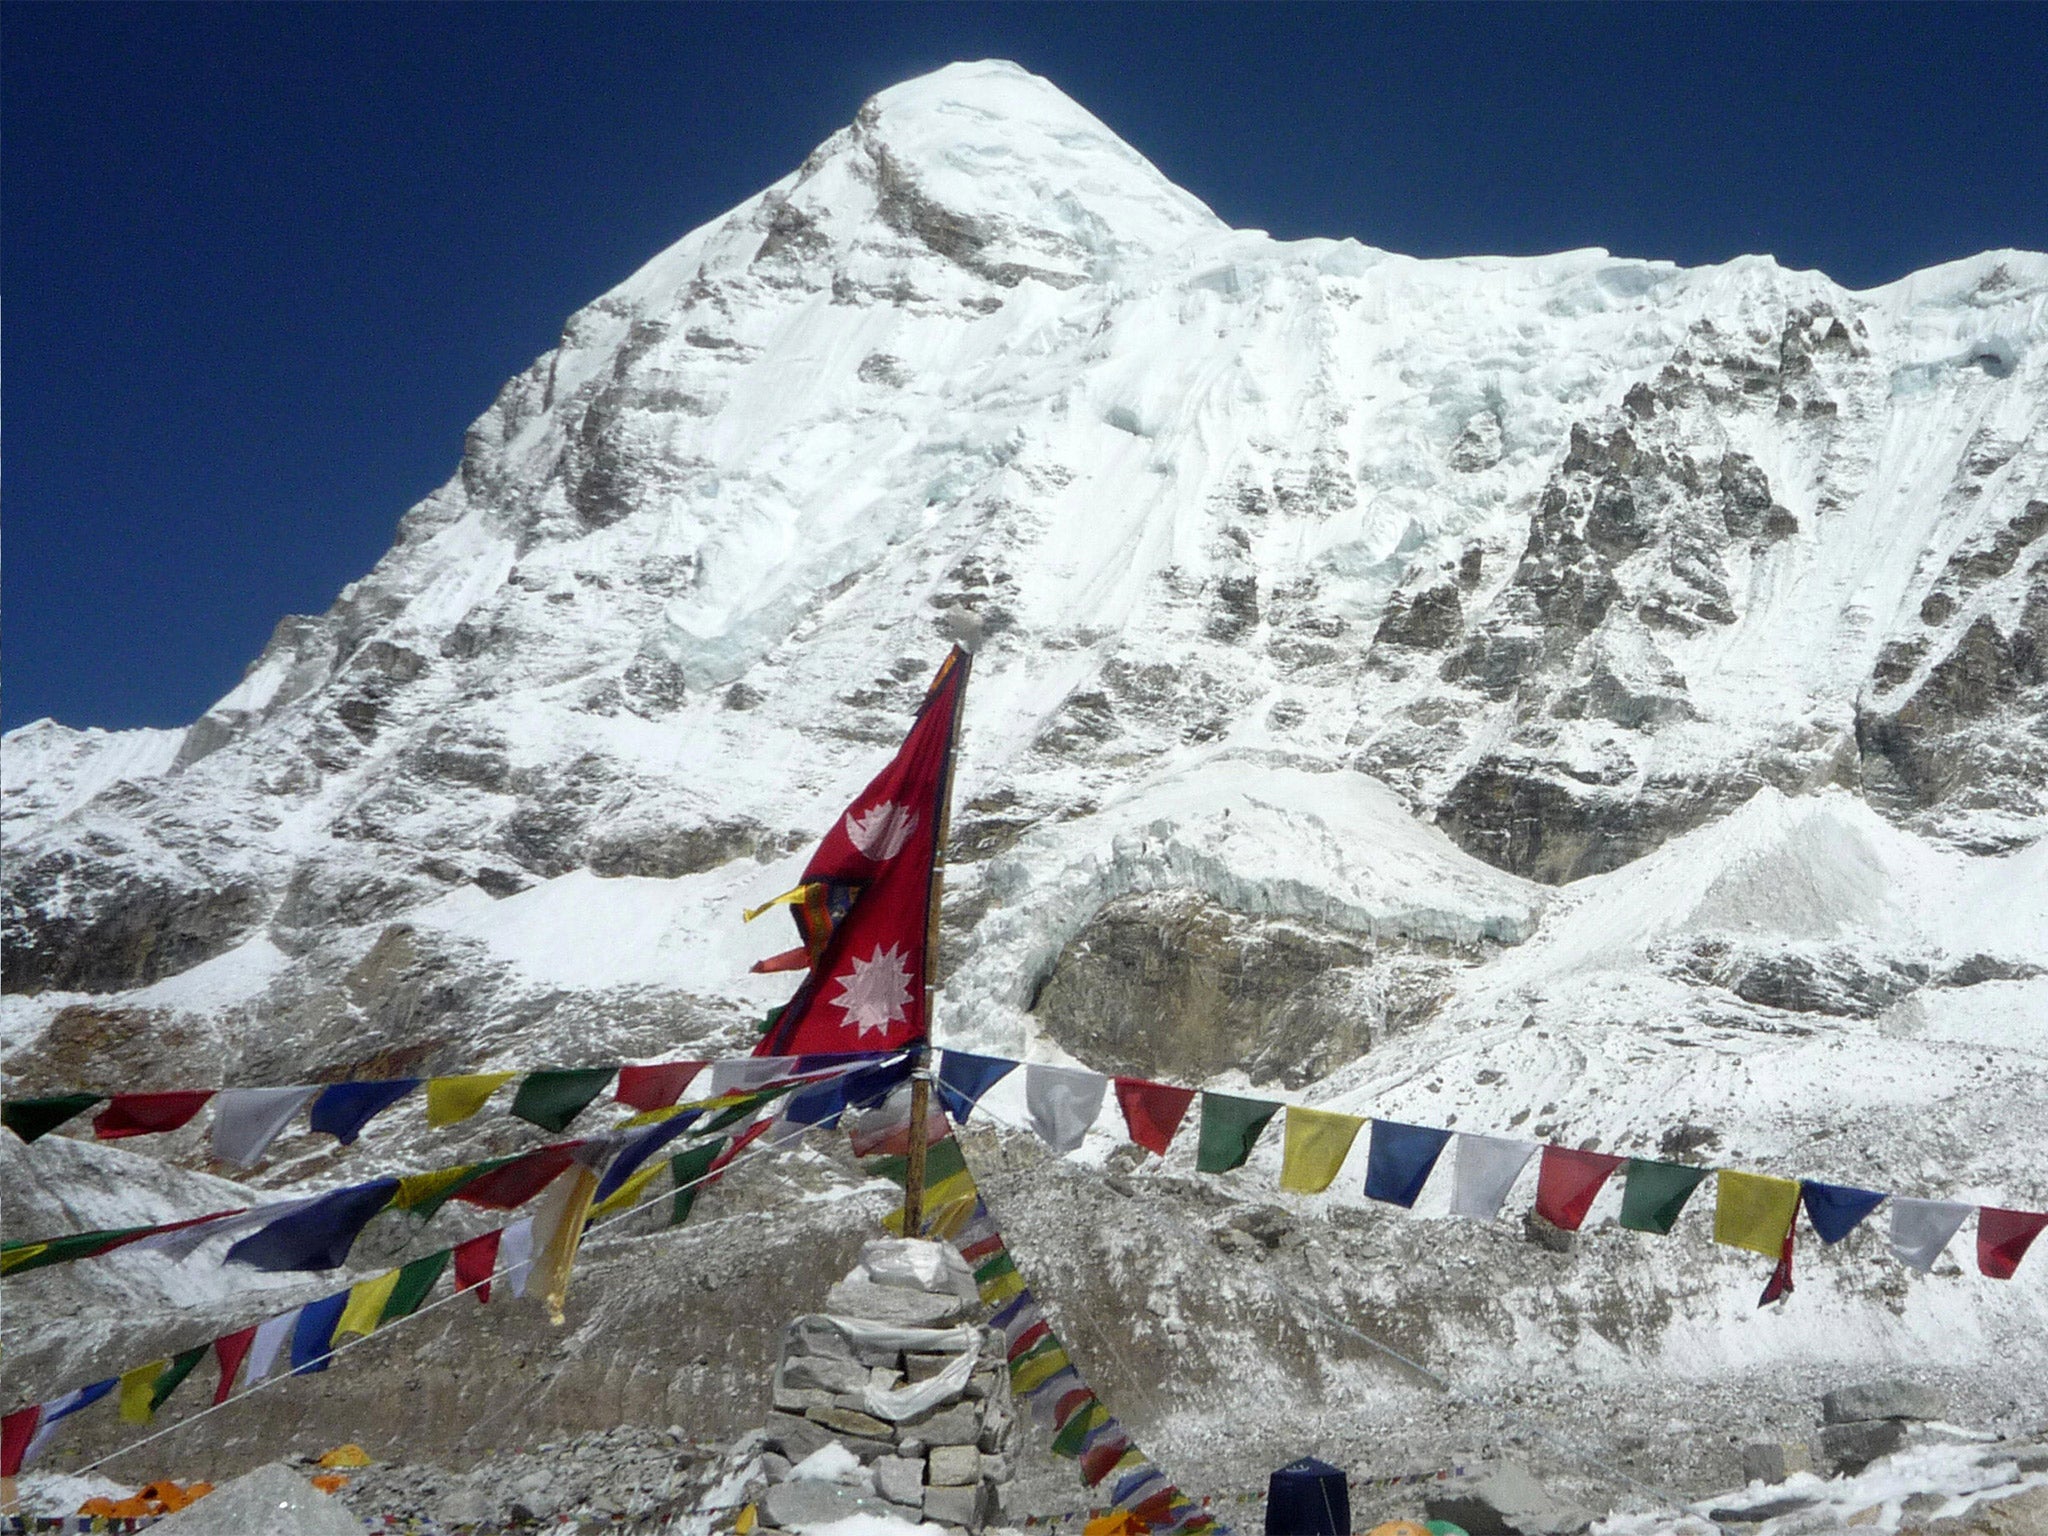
[{"x": 384, "y": 1331}]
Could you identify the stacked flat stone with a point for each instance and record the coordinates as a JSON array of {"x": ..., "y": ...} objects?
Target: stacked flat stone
[{"x": 946, "y": 1463}]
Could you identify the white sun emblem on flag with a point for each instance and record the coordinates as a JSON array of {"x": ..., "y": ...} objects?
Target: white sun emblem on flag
[
  {"x": 883, "y": 831},
  {"x": 874, "y": 992}
]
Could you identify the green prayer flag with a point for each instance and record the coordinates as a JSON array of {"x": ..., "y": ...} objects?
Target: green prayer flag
[
  {"x": 179, "y": 1368},
  {"x": 1230, "y": 1128},
  {"x": 34, "y": 1254},
  {"x": 30, "y": 1118},
  {"x": 1653, "y": 1193},
  {"x": 942, "y": 1160},
  {"x": 688, "y": 1167},
  {"x": 995, "y": 1268},
  {"x": 746, "y": 1109},
  {"x": 551, "y": 1099},
  {"x": 1086, "y": 1418},
  {"x": 414, "y": 1282}
]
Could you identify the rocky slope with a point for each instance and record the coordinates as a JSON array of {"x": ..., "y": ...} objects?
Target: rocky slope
[{"x": 1574, "y": 695}]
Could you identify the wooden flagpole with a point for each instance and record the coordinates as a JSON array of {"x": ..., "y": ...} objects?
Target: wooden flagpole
[{"x": 920, "y": 1078}]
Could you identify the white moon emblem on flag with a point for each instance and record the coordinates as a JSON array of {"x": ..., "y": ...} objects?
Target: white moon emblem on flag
[
  {"x": 883, "y": 831},
  {"x": 874, "y": 992}
]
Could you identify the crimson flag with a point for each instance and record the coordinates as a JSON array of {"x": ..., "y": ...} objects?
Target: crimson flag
[
  {"x": 1152, "y": 1111},
  {"x": 2003, "y": 1237},
  {"x": 1567, "y": 1181},
  {"x": 865, "y": 906},
  {"x": 230, "y": 1349},
  {"x": 147, "y": 1114},
  {"x": 475, "y": 1262}
]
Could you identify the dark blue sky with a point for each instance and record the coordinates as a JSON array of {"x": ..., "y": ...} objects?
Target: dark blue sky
[{"x": 263, "y": 264}]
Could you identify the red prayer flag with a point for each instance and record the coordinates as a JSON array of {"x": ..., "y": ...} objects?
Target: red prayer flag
[
  {"x": 506, "y": 1188},
  {"x": 1152, "y": 1111},
  {"x": 2003, "y": 1238},
  {"x": 146, "y": 1114},
  {"x": 475, "y": 1262},
  {"x": 655, "y": 1087},
  {"x": 1567, "y": 1181},
  {"x": 1102, "y": 1455},
  {"x": 1069, "y": 1404},
  {"x": 229, "y": 1349},
  {"x": 798, "y": 959},
  {"x": 1780, "y": 1283},
  {"x": 1029, "y": 1337},
  {"x": 16, "y": 1430},
  {"x": 867, "y": 990}
]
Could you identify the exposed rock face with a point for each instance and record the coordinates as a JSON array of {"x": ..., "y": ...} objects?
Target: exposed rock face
[{"x": 1174, "y": 986}]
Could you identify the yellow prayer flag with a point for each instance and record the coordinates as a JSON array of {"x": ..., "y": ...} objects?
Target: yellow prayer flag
[
  {"x": 1028, "y": 1375},
  {"x": 366, "y": 1304},
  {"x": 137, "y": 1387},
  {"x": 1001, "y": 1289},
  {"x": 654, "y": 1116},
  {"x": 557, "y": 1234},
  {"x": 627, "y": 1195},
  {"x": 453, "y": 1099},
  {"x": 1130, "y": 1461},
  {"x": 1754, "y": 1211},
  {"x": 416, "y": 1189},
  {"x": 1318, "y": 1140}
]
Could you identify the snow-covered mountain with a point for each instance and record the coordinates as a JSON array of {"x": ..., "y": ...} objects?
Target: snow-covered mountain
[{"x": 1577, "y": 695}]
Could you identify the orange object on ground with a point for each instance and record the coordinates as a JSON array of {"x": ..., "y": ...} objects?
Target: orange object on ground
[
  {"x": 331, "y": 1482},
  {"x": 1399, "y": 1528}
]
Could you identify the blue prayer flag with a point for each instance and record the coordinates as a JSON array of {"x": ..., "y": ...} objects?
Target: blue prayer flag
[
  {"x": 963, "y": 1079},
  {"x": 313, "y": 1334},
  {"x": 1834, "y": 1209},
  {"x": 1399, "y": 1162},
  {"x": 645, "y": 1144},
  {"x": 317, "y": 1236},
  {"x": 343, "y": 1109}
]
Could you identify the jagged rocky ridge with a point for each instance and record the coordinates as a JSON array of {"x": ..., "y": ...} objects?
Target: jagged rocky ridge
[{"x": 1578, "y": 695}]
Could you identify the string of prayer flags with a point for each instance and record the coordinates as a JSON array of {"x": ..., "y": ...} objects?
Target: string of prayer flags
[
  {"x": 1836, "y": 1209},
  {"x": 230, "y": 1350},
  {"x": 657, "y": 1086},
  {"x": 1314, "y": 1148},
  {"x": 551, "y": 1099},
  {"x": 2003, "y": 1238},
  {"x": 148, "y": 1114},
  {"x": 33, "y": 1118},
  {"x": 316, "y": 1236},
  {"x": 343, "y": 1109},
  {"x": 963, "y": 1079},
  {"x": 1921, "y": 1229},
  {"x": 1483, "y": 1172},
  {"x": 1063, "y": 1102},
  {"x": 313, "y": 1333},
  {"x": 1230, "y": 1128},
  {"x": 1653, "y": 1193},
  {"x": 35, "y": 1253},
  {"x": 1754, "y": 1211},
  {"x": 247, "y": 1120},
  {"x": 452, "y": 1100},
  {"x": 1566, "y": 1182},
  {"x": 1398, "y": 1160},
  {"x": 1152, "y": 1111}
]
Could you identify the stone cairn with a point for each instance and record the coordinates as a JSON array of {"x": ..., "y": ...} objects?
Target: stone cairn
[{"x": 894, "y": 1400}]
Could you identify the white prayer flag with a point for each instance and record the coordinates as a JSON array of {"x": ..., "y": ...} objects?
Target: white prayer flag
[
  {"x": 515, "y": 1255},
  {"x": 1487, "y": 1168},
  {"x": 1064, "y": 1102},
  {"x": 271, "y": 1336},
  {"x": 247, "y": 1120},
  {"x": 1922, "y": 1228}
]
